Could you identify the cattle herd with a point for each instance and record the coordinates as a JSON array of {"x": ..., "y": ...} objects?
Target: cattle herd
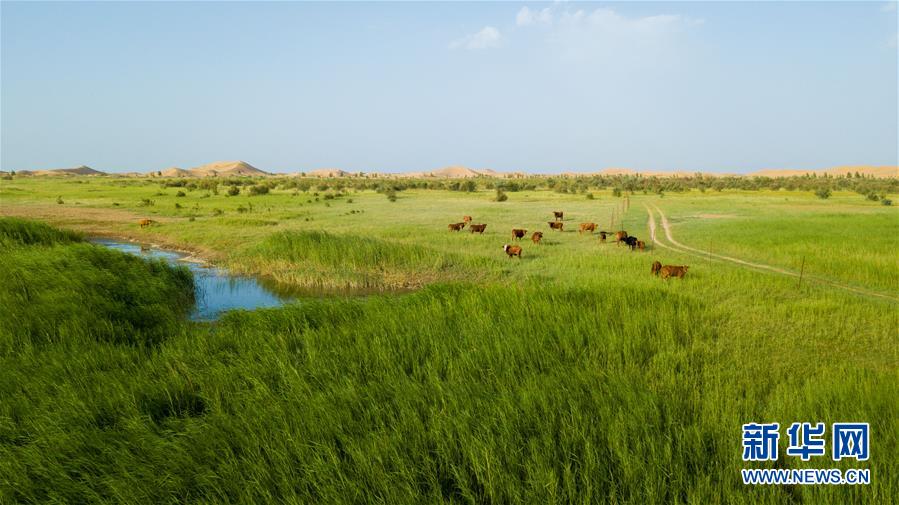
[{"x": 663, "y": 271}]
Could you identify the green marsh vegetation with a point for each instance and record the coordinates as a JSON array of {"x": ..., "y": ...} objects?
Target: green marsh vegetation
[{"x": 570, "y": 376}]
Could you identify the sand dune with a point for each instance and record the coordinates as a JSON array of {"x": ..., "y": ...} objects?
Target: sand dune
[
  {"x": 227, "y": 169},
  {"x": 82, "y": 170},
  {"x": 242, "y": 168},
  {"x": 876, "y": 171},
  {"x": 328, "y": 172},
  {"x": 176, "y": 172}
]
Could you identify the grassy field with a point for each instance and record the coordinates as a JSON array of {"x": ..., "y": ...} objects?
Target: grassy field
[{"x": 572, "y": 375}]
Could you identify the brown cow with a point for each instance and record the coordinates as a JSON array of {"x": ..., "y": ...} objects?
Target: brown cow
[
  {"x": 478, "y": 228},
  {"x": 674, "y": 271},
  {"x": 555, "y": 226},
  {"x": 537, "y": 237},
  {"x": 466, "y": 219},
  {"x": 591, "y": 227},
  {"x": 602, "y": 236},
  {"x": 146, "y": 222},
  {"x": 631, "y": 242},
  {"x": 641, "y": 245},
  {"x": 620, "y": 237},
  {"x": 518, "y": 233},
  {"x": 512, "y": 250},
  {"x": 656, "y": 266},
  {"x": 456, "y": 226},
  {"x": 558, "y": 214}
]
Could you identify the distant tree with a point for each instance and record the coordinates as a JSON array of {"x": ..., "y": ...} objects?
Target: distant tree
[{"x": 823, "y": 193}]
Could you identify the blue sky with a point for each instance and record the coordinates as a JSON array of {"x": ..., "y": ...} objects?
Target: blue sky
[{"x": 539, "y": 87}]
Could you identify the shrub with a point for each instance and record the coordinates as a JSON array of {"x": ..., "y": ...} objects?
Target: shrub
[
  {"x": 501, "y": 196},
  {"x": 590, "y": 196},
  {"x": 259, "y": 189},
  {"x": 181, "y": 194},
  {"x": 823, "y": 193},
  {"x": 886, "y": 201},
  {"x": 233, "y": 190},
  {"x": 616, "y": 191}
]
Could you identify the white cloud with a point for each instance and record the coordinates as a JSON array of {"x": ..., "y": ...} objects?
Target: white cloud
[
  {"x": 486, "y": 38},
  {"x": 608, "y": 21},
  {"x": 527, "y": 17},
  {"x": 605, "y": 34}
]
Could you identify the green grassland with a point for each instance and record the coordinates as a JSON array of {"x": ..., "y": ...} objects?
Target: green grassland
[{"x": 570, "y": 376}]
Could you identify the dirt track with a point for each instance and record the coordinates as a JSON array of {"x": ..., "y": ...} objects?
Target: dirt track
[{"x": 685, "y": 249}]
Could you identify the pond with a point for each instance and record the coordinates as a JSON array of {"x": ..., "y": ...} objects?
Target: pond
[{"x": 216, "y": 290}]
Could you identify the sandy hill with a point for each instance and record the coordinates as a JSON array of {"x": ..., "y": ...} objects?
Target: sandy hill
[
  {"x": 227, "y": 169},
  {"x": 82, "y": 170},
  {"x": 455, "y": 172},
  {"x": 176, "y": 172},
  {"x": 328, "y": 172},
  {"x": 876, "y": 171}
]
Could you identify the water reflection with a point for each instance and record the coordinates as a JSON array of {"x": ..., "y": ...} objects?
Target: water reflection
[{"x": 216, "y": 289}]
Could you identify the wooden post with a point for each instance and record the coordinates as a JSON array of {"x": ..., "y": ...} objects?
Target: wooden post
[
  {"x": 801, "y": 271},
  {"x": 710, "y": 252}
]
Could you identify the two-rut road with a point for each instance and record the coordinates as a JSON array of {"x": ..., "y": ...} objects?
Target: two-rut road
[{"x": 685, "y": 249}]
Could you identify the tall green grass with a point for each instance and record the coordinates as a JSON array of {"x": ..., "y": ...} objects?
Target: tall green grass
[
  {"x": 452, "y": 394},
  {"x": 569, "y": 376},
  {"x": 56, "y": 288},
  {"x": 319, "y": 258}
]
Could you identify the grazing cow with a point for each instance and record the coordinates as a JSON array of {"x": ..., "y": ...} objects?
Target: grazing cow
[
  {"x": 673, "y": 271},
  {"x": 631, "y": 242},
  {"x": 602, "y": 236},
  {"x": 466, "y": 219},
  {"x": 146, "y": 222},
  {"x": 591, "y": 227},
  {"x": 656, "y": 266},
  {"x": 537, "y": 237},
  {"x": 641, "y": 245},
  {"x": 518, "y": 233},
  {"x": 555, "y": 226},
  {"x": 620, "y": 236},
  {"x": 512, "y": 250},
  {"x": 558, "y": 214},
  {"x": 478, "y": 228},
  {"x": 456, "y": 226}
]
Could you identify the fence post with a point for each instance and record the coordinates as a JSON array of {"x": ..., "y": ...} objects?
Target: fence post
[{"x": 801, "y": 271}]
